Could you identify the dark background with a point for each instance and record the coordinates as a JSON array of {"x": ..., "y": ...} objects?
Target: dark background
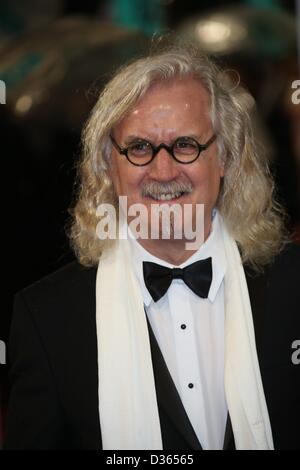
[{"x": 55, "y": 56}]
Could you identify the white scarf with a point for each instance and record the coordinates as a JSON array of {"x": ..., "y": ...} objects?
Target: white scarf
[{"x": 128, "y": 408}]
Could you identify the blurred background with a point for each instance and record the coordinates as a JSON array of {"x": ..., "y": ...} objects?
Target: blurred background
[{"x": 55, "y": 56}]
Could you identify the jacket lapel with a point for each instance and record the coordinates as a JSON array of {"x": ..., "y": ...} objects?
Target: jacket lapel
[
  {"x": 229, "y": 443},
  {"x": 168, "y": 397},
  {"x": 257, "y": 288},
  {"x": 257, "y": 285}
]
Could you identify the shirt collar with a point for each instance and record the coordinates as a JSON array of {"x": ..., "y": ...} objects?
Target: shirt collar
[{"x": 212, "y": 247}]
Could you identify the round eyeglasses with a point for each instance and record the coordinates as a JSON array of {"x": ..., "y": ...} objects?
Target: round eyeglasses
[{"x": 184, "y": 150}]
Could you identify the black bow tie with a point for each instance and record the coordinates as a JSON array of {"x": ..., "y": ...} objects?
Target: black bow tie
[{"x": 197, "y": 276}]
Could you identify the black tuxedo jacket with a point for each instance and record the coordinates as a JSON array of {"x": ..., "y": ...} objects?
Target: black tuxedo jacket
[{"x": 53, "y": 355}]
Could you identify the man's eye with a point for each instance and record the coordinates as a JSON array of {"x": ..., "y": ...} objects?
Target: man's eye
[
  {"x": 186, "y": 145},
  {"x": 140, "y": 148}
]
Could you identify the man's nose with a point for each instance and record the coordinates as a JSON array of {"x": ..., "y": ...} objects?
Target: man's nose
[{"x": 163, "y": 167}]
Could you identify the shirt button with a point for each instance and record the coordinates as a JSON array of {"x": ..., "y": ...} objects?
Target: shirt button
[
  {"x": 191, "y": 385},
  {"x": 183, "y": 326}
]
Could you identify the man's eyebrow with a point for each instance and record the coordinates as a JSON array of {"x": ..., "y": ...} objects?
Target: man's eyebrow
[{"x": 133, "y": 138}]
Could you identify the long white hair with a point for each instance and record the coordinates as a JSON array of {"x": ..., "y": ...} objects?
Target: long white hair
[{"x": 246, "y": 200}]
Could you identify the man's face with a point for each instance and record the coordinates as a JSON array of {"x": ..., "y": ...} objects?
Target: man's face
[{"x": 166, "y": 112}]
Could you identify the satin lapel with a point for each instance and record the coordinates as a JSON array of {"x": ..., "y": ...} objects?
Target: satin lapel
[
  {"x": 228, "y": 438},
  {"x": 168, "y": 397},
  {"x": 257, "y": 287},
  {"x": 167, "y": 394}
]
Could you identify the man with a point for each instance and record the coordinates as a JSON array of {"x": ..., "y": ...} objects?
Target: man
[{"x": 154, "y": 342}]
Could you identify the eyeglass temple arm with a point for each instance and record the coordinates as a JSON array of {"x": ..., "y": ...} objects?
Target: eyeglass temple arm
[
  {"x": 211, "y": 140},
  {"x": 116, "y": 145}
]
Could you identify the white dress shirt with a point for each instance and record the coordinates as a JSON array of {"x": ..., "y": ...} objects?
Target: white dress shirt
[{"x": 190, "y": 334}]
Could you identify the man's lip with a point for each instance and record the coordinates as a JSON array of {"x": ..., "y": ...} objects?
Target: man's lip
[{"x": 166, "y": 201}]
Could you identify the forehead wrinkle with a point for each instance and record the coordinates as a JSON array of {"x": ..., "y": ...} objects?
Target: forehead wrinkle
[
  {"x": 200, "y": 137},
  {"x": 164, "y": 114}
]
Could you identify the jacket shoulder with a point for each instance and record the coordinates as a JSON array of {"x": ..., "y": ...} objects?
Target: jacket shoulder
[
  {"x": 53, "y": 363},
  {"x": 290, "y": 254},
  {"x": 69, "y": 285},
  {"x": 285, "y": 269},
  {"x": 69, "y": 273},
  {"x": 286, "y": 261}
]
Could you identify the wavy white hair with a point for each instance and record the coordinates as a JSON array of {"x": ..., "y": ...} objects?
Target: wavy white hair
[{"x": 246, "y": 199}]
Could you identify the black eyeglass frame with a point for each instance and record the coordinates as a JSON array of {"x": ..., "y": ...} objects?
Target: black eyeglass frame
[{"x": 168, "y": 148}]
